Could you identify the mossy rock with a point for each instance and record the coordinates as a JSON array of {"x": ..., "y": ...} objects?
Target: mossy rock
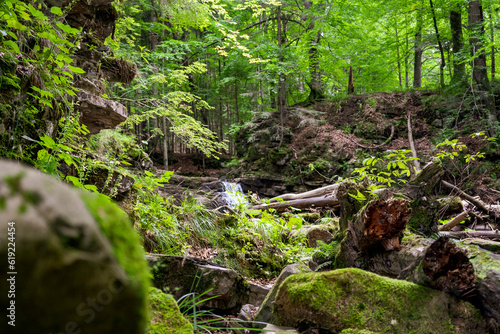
[
  {"x": 125, "y": 241},
  {"x": 357, "y": 299},
  {"x": 10, "y": 82},
  {"x": 165, "y": 316},
  {"x": 83, "y": 269},
  {"x": 357, "y": 331}
]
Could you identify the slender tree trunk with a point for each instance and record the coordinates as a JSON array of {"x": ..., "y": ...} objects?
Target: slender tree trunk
[
  {"x": 165, "y": 142},
  {"x": 492, "y": 37},
  {"x": 441, "y": 51},
  {"x": 458, "y": 44},
  {"x": 417, "y": 68},
  {"x": 479, "y": 69},
  {"x": 407, "y": 66},
  {"x": 281, "y": 95},
  {"x": 236, "y": 102},
  {"x": 399, "y": 60}
]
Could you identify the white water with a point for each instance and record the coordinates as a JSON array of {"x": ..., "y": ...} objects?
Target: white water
[{"x": 233, "y": 194}]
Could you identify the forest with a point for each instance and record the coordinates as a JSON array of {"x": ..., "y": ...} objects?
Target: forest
[{"x": 261, "y": 166}]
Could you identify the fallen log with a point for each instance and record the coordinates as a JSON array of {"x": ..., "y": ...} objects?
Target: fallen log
[
  {"x": 454, "y": 222},
  {"x": 478, "y": 203},
  {"x": 472, "y": 234},
  {"x": 444, "y": 266},
  {"x": 329, "y": 190},
  {"x": 299, "y": 204}
]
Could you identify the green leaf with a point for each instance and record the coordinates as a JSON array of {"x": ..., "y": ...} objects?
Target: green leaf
[
  {"x": 56, "y": 11},
  {"x": 76, "y": 69},
  {"x": 91, "y": 187},
  {"x": 36, "y": 13},
  {"x": 48, "y": 141},
  {"x": 12, "y": 45}
]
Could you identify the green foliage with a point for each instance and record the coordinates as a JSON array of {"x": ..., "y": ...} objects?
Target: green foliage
[{"x": 393, "y": 168}]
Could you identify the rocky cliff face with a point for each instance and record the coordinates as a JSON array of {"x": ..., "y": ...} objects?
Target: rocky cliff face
[{"x": 97, "y": 20}]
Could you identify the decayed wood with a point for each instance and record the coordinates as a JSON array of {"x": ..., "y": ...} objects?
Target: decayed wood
[
  {"x": 425, "y": 181},
  {"x": 472, "y": 234},
  {"x": 454, "y": 222},
  {"x": 459, "y": 192},
  {"x": 380, "y": 223},
  {"x": 416, "y": 163},
  {"x": 299, "y": 203},
  {"x": 383, "y": 222},
  {"x": 330, "y": 190},
  {"x": 445, "y": 267}
]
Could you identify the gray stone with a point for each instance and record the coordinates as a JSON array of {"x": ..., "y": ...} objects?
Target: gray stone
[
  {"x": 224, "y": 289},
  {"x": 99, "y": 113},
  {"x": 65, "y": 276},
  {"x": 265, "y": 313}
]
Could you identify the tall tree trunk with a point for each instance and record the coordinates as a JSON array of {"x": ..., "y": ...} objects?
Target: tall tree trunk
[
  {"x": 441, "y": 51},
  {"x": 281, "y": 95},
  {"x": 458, "y": 44},
  {"x": 315, "y": 85},
  {"x": 407, "y": 66},
  {"x": 165, "y": 142},
  {"x": 417, "y": 68},
  {"x": 492, "y": 37},
  {"x": 479, "y": 69},
  {"x": 399, "y": 60}
]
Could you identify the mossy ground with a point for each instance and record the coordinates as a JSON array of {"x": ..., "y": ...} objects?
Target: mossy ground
[
  {"x": 165, "y": 315},
  {"x": 352, "y": 298}
]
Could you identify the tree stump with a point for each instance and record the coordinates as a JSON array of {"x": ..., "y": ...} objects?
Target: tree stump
[
  {"x": 425, "y": 181},
  {"x": 445, "y": 267},
  {"x": 380, "y": 223}
]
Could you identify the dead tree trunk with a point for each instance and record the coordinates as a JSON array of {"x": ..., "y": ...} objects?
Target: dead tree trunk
[
  {"x": 445, "y": 267},
  {"x": 350, "y": 86},
  {"x": 425, "y": 181},
  {"x": 299, "y": 203},
  {"x": 378, "y": 226},
  {"x": 330, "y": 190}
]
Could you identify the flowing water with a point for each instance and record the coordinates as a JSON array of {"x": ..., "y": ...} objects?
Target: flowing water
[{"x": 233, "y": 194}]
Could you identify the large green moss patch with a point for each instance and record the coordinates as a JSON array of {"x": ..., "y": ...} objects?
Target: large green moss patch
[
  {"x": 166, "y": 317},
  {"x": 353, "y": 298}
]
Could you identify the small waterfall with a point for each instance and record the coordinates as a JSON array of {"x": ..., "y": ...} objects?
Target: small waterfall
[{"x": 233, "y": 194}]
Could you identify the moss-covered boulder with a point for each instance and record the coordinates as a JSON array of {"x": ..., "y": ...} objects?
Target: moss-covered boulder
[
  {"x": 77, "y": 265},
  {"x": 265, "y": 314},
  {"x": 166, "y": 318},
  {"x": 353, "y": 298}
]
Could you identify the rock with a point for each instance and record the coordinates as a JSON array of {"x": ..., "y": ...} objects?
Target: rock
[
  {"x": 166, "y": 318},
  {"x": 353, "y": 298},
  {"x": 98, "y": 113},
  {"x": 317, "y": 233},
  {"x": 79, "y": 263},
  {"x": 247, "y": 312},
  {"x": 224, "y": 290},
  {"x": 264, "y": 314}
]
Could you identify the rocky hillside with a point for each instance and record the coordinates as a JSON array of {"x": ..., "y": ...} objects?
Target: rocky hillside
[{"x": 331, "y": 139}]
